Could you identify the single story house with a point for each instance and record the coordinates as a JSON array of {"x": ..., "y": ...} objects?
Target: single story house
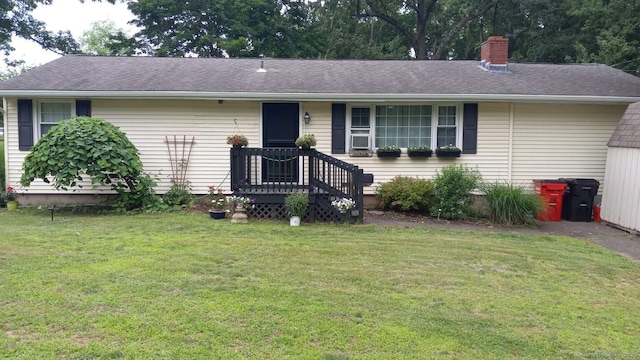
[
  {"x": 514, "y": 122},
  {"x": 621, "y": 197}
]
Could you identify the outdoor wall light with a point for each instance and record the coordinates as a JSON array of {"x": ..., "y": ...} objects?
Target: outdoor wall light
[{"x": 307, "y": 117}]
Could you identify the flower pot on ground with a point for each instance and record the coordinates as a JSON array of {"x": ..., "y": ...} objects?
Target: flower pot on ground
[
  {"x": 11, "y": 197},
  {"x": 239, "y": 205},
  {"x": 294, "y": 221},
  {"x": 417, "y": 152},
  {"x": 388, "y": 152},
  {"x": 306, "y": 141},
  {"x": 217, "y": 214},
  {"x": 296, "y": 205},
  {"x": 12, "y": 205},
  {"x": 448, "y": 151}
]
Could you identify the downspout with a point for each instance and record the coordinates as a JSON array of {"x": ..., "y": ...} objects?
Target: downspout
[{"x": 510, "y": 152}]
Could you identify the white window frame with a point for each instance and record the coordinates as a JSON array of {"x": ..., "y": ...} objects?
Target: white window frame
[
  {"x": 434, "y": 122},
  {"x": 372, "y": 127},
  {"x": 38, "y": 113}
]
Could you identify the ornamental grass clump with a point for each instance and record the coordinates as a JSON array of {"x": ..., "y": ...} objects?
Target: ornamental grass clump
[
  {"x": 512, "y": 205},
  {"x": 296, "y": 205}
]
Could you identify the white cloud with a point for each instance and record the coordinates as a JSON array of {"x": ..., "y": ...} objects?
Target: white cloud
[{"x": 69, "y": 15}]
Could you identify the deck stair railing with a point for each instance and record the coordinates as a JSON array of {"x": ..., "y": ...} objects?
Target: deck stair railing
[{"x": 269, "y": 174}]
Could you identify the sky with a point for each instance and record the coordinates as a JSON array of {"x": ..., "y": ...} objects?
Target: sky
[{"x": 69, "y": 15}]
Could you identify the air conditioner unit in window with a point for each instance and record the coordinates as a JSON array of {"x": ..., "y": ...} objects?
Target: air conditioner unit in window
[{"x": 359, "y": 141}]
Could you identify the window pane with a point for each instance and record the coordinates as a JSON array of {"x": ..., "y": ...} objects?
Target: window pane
[
  {"x": 52, "y": 113},
  {"x": 447, "y": 115},
  {"x": 446, "y": 136},
  {"x": 403, "y": 126},
  {"x": 360, "y": 117}
]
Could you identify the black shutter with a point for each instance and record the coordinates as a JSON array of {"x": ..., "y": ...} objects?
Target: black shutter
[
  {"x": 470, "y": 129},
  {"x": 25, "y": 124},
  {"x": 83, "y": 108},
  {"x": 338, "y": 128}
]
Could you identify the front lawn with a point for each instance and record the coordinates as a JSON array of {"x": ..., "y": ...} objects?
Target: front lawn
[{"x": 182, "y": 286}]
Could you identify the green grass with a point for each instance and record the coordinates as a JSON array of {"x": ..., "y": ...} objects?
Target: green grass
[{"x": 182, "y": 286}]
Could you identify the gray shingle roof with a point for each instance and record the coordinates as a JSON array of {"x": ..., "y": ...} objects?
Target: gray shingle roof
[
  {"x": 287, "y": 76},
  {"x": 627, "y": 133}
]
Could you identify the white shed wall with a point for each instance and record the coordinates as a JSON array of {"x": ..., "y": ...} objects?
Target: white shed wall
[{"x": 621, "y": 197}]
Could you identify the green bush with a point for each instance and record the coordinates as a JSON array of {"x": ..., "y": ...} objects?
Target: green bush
[
  {"x": 405, "y": 193},
  {"x": 512, "y": 205},
  {"x": 178, "y": 195},
  {"x": 3, "y": 199},
  {"x": 452, "y": 188}
]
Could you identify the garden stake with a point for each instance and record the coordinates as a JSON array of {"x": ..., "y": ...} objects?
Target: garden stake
[{"x": 51, "y": 207}]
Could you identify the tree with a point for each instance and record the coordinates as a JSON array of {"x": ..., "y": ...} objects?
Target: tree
[
  {"x": 237, "y": 28},
  {"x": 83, "y": 146},
  {"x": 415, "y": 20},
  {"x": 16, "y": 19},
  {"x": 101, "y": 39}
]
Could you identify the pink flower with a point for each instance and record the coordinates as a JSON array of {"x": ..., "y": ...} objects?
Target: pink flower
[{"x": 9, "y": 188}]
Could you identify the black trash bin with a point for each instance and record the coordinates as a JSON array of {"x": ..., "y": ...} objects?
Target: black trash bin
[{"x": 578, "y": 199}]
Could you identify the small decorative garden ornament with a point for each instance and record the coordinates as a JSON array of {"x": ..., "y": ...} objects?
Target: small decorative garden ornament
[{"x": 237, "y": 141}]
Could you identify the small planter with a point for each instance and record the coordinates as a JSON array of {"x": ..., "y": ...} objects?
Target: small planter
[
  {"x": 12, "y": 205},
  {"x": 294, "y": 221},
  {"x": 217, "y": 214},
  {"x": 420, "y": 154},
  {"x": 388, "y": 154},
  {"x": 447, "y": 154}
]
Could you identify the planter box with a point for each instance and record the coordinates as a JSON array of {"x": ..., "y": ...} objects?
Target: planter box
[
  {"x": 388, "y": 154},
  {"x": 214, "y": 214},
  {"x": 448, "y": 154},
  {"x": 417, "y": 154}
]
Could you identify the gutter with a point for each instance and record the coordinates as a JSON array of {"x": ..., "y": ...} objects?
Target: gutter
[{"x": 320, "y": 97}]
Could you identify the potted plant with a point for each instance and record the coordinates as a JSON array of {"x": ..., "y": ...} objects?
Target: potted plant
[
  {"x": 448, "y": 151},
  {"x": 419, "y": 151},
  {"x": 344, "y": 206},
  {"x": 218, "y": 203},
  {"x": 306, "y": 141},
  {"x": 295, "y": 205},
  {"x": 388, "y": 152},
  {"x": 11, "y": 196},
  {"x": 239, "y": 205},
  {"x": 237, "y": 140}
]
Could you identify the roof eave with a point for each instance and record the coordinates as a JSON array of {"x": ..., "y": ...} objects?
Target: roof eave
[{"x": 325, "y": 97}]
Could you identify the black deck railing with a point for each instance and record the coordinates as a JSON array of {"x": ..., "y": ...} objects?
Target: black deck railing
[{"x": 288, "y": 170}]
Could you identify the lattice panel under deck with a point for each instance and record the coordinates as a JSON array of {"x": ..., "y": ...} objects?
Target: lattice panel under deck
[{"x": 324, "y": 212}]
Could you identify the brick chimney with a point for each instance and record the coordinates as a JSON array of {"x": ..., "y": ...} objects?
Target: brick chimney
[{"x": 494, "y": 54}]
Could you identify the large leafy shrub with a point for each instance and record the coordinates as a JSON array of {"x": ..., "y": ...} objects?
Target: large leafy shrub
[
  {"x": 405, "y": 193},
  {"x": 512, "y": 205},
  {"x": 85, "y": 147},
  {"x": 452, "y": 188}
]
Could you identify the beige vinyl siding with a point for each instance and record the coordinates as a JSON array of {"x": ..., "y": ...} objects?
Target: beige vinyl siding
[
  {"x": 555, "y": 141},
  {"x": 621, "y": 197},
  {"x": 491, "y": 159},
  {"x": 147, "y": 122}
]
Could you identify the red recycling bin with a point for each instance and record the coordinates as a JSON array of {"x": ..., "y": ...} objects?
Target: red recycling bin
[{"x": 552, "y": 191}]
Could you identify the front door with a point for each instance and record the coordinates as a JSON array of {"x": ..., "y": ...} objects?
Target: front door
[{"x": 280, "y": 129}]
